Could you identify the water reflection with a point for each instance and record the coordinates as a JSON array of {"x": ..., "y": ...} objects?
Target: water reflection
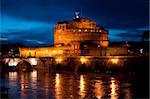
[
  {"x": 58, "y": 86},
  {"x": 82, "y": 86},
  {"x": 98, "y": 89},
  {"x": 25, "y": 82},
  {"x": 12, "y": 75},
  {"x": 114, "y": 88},
  {"x": 34, "y": 76},
  {"x": 22, "y": 85},
  {"x": 127, "y": 93},
  {"x": 66, "y": 86}
]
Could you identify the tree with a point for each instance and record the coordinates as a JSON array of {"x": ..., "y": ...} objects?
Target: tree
[{"x": 145, "y": 35}]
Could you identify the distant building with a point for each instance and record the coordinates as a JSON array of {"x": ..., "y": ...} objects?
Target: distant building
[{"x": 80, "y": 36}]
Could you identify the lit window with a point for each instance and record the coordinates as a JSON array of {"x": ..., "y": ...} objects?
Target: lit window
[
  {"x": 100, "y": 30},
  {"x": 85, "y": 30},
  {"x": 83, "y": 60},
  {"x": 85, "y": 45},
  {"x": 79, "y": 30}
]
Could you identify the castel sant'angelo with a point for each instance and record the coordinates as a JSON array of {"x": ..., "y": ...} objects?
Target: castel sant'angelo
[{"x": 78, "y": 37}]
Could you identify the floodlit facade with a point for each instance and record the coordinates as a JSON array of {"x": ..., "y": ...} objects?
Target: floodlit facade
[
  {"x": 82, "y": 30},
  {"x": 78, "y": 37}
]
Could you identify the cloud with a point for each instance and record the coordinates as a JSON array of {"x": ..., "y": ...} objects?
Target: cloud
[
  {"x": 116, "y": 31},
  {"x": 144, "y": 28},
  {"x": 45, "y": 35},
  {"x": 19, "y": 29},
  {"x": 127, "y": 35},
  {"x": 35, "y": 41},
  {"x": 3, "y": 39},
  {"x": 11, "y": 24}
]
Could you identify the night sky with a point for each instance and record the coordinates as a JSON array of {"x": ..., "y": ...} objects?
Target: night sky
[{"x": 31, "y": 22}]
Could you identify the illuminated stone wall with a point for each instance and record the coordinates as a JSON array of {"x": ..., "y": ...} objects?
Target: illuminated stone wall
[
  {"x": 80, "y": 30},
  {"x": 113, "y": 51},
  {"x": 68, "y": 52},
  {"x": 40, "y": 52}
]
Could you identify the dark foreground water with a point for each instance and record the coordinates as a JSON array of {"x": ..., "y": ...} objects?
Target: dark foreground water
[{"x": 44, "y": 85}]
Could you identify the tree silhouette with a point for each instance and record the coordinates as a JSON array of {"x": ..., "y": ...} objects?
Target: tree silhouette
[{"x": 145, "y": 35}]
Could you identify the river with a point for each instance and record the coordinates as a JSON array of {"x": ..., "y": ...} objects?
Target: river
[{"x": 45, "y": 85}]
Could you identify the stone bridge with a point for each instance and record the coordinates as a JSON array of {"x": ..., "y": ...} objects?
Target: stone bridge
[{"x": 79, "y": 63}]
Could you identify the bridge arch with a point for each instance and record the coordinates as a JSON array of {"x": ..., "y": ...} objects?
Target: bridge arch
[{"x": 24, "y": 65}]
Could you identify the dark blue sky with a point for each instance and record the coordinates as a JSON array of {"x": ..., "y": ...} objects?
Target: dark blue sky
[{"x": 31, "y": 21}]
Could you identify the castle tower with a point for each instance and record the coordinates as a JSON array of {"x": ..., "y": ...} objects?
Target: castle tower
[{"x": 80, "y": 30}]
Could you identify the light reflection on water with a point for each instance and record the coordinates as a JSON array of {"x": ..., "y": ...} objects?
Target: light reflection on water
[
  {"x": 114, "y": 88},
  {"x": 82, "y": 86},
  {"x": 98, "y": 89},
  {"x": 58, "y": 86},
  {"x": 12, "y": 75},
  {"x": 66, "y": 86}
]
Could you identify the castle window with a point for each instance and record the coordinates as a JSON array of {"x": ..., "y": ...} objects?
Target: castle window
[
  {"x": 90, "y": 25},
  {"x": 85, "y": 30},
  {"x": 94, "y": 25},
  {"x": 69, "y": 44},
  {"x": 66, "y": 26},
  {"x": 100, "y": 30},
  {"x": 85, "y": 45},
  {"x": 79, "y": 30}
]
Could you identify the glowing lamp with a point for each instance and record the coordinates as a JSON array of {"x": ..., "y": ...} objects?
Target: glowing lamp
[
  {"x": 83, "y": 60},
  {"x": 59, "y": 60},
  {"x": 115, "y": 61}
]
